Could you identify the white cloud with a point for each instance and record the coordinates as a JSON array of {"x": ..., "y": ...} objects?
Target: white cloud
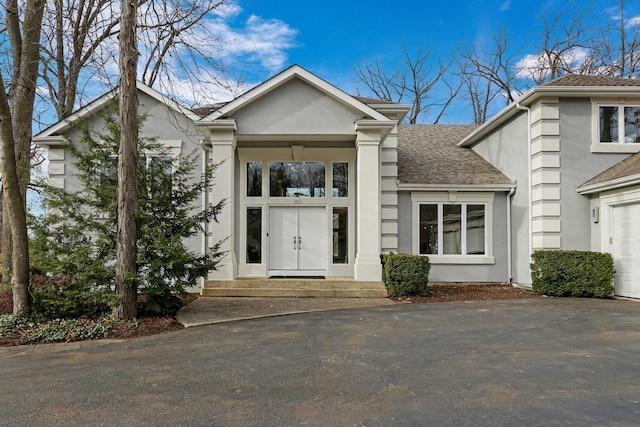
[
  {"x": 632, "y": 22},
  {"x": 259, "y": 41},
  {"x": 228, "y": 9},
  {"x": 536, "y": 66}
]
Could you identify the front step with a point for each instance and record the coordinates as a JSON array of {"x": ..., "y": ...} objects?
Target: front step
[{"x": 293, "y": 288}]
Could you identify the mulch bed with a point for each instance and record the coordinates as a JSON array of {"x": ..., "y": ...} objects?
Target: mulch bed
[{"x": 441, "y": 292}]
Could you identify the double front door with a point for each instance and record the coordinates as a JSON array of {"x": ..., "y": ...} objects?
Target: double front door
[{"x": 297, "y": 241}]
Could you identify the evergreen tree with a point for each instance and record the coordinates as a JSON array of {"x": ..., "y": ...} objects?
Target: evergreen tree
[{"x": 77, "y": 235}]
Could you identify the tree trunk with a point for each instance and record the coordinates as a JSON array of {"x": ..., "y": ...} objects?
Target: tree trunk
[
  {"x": 16, "y": 111},
  {"x": 16, "y": 214},
  {"x": 127, "y": 165},
  {"x": 7, "y": 244}
]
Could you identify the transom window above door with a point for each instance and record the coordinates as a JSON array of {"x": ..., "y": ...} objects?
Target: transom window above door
[{"x": 296, "y": 179}]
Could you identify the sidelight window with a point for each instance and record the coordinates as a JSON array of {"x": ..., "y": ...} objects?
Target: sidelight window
[
  {"x": 254, "y": 235},
  {"x": 340, "y": 247}
]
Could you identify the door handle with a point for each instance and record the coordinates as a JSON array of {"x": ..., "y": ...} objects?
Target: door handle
[
  {"x": 299, "y": 242},
  {"x": 294, "y": 243}
]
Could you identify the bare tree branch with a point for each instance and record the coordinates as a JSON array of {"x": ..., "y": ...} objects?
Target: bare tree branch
[{"x": 413, "y": 82}]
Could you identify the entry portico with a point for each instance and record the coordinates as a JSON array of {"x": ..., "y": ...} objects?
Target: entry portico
[{"x": 304, "y": 173}]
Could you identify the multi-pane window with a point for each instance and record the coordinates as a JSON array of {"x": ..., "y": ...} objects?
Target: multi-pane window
[
  {"x": 619, "y": 124},
  {"x": 452, "y": 229}
]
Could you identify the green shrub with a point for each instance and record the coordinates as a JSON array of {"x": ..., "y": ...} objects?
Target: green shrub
[
  {"x": 78, "y": 232},
  {"x": 383, "y": 260},
  {"x": 160, "y": 301},
  {"x": 572, "y": 273},
  {"x": 405, "y": 274},
  {"x": 66, "y": 297}
]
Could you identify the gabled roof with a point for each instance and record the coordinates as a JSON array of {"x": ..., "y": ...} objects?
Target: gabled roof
[
  {"x": 622, "y": 174},
  {"x": 428, "y": 155},
  {"x": 570, "y": 85},
  {"x": 294, "y": 71},
  {"x": 52, "y": 135}
]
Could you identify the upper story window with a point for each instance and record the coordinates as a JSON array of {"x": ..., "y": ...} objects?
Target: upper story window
[
  {"x": 296, "y": 179},
  {"x": 615, "y": 126},
  {"x": 619, "y": 124}
]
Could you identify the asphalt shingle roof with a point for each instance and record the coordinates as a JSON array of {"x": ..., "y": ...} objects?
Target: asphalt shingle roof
[
  {"x": 429, "y": 154},
  {"x": 590, "y": 81},
  {"x": 628, "y": 167}
]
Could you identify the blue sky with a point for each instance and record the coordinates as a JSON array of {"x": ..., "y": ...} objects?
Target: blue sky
[
  {"x": 262, "y": 37},
  {"x": 331, "y": 38}
]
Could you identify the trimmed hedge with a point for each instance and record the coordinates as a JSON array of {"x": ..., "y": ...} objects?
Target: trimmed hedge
[
  {"x": 572, "y": 273},
  {"x": 405, "y": 274}
]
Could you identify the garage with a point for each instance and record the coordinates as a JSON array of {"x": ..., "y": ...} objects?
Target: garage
[
  {"x": 625, "y": 248},
  {"x": 615, "y": 193}
]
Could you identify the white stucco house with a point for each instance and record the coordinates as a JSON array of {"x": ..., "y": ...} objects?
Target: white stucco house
[{"x": 318, "y": 183}]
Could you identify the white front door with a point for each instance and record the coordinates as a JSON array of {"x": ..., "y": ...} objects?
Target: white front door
[
  {"x": 626, "y": 249},
  {"x": 297, "y": 241}
]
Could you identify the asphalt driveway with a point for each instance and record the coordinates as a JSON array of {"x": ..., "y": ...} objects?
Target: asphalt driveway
[{"x": 541, "y": 361}]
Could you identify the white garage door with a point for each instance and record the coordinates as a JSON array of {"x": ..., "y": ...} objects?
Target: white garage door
[{"x": 626, "y": 249}]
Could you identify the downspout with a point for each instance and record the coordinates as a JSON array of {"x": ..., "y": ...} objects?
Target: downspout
[
  {"x": 509, "y": 244},
  {"x": 529, "y": 171}
]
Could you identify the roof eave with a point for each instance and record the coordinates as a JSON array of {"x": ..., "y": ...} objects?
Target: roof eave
[
  {"x": 608, "y": 185},
  {"x": 395, "y": 111},
  {"x": 94, "y": 106},
  {"x": 537, "y": 92},
  {"x": 66, "y": 123},
  {"x": 455, "y": 187},
  {"x": 51, "y": 141}
]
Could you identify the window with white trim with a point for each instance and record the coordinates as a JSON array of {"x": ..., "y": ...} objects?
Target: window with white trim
[
  {"x": 619, "y": 124},
  {"x": 453, "y": 227}
]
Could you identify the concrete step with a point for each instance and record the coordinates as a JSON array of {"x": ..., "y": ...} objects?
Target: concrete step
[{"x": 299, "y": 288}]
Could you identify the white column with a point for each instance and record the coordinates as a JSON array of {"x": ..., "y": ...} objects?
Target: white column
[
  {"x": 222, "y": 142},
  {"x": 367, "y": 261}
]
